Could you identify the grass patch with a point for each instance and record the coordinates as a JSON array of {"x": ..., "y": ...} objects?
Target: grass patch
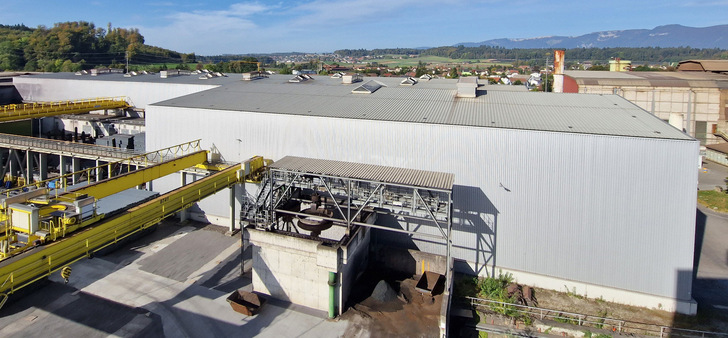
[{"x": 714, "y": 200}]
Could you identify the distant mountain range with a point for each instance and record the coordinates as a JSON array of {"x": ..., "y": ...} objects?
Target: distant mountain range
[{"x": 661, "y": 36}]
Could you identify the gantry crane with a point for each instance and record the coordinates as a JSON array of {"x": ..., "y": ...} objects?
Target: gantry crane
[{"x": 25, "y": 268}]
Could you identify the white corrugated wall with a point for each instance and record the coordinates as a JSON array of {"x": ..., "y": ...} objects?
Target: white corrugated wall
[
  {"x": 611, "y": 211},
  {"x": 142, "y": 93}
]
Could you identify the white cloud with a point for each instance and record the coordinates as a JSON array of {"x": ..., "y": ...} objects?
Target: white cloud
[{"x": 207, "y": 32}]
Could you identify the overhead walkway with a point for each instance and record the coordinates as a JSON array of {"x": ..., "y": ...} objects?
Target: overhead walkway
[
  {"x": 21, "y": 146},
  {"x": 24, "y": 111},
  {"x": 64, "y": 148},
  {"x": 24, "y": 269}
]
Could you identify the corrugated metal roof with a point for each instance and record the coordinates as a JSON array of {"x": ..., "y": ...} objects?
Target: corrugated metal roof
[
  {"x": 707, "y": 65},
  {"x": 720, "y": 147},
  {"x": 435, "y": 102},
  {"x": 369, "y": 172}
]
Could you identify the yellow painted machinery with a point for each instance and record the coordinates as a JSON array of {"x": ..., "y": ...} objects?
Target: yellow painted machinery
[
  {"x": 42, "y": 215},
  {"x": 32, "y": 110},
  {"x": 21, "y": 270}
]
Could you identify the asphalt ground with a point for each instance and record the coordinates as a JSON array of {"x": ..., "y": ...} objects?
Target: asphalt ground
[
  {"x": 710, "y": 286},
  {"x": 172, "y": 282}
]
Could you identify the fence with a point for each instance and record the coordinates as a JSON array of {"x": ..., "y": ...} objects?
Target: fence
[{"x": 617, "y": 325}]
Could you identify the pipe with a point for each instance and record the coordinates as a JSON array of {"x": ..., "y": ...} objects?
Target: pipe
[{"x": 332, "y": 298}]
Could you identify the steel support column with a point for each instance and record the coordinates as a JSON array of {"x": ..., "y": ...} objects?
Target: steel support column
[
  {"x": 28, "y": 166},
  {"x": 76, "y": 164},
  {"x": 183, "y": 211},
  {"x": 43, "y": 166},
  {"x": 232, "y": 208},
  {"x": 62, "y": 165},
  {"x": 98, "y": 170}
]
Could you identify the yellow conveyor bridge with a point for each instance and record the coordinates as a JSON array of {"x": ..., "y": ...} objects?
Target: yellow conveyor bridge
[
  {"x": 23, "y": 269},
  {"x": 13, "y": 112}
]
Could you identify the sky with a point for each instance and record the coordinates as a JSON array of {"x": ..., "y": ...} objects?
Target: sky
[{"x": 318, "y": 26}]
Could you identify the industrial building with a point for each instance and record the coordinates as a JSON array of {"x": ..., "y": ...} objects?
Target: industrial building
[
  {"x": 693, "y": 101},
  {"x": 587, "y": 192}
]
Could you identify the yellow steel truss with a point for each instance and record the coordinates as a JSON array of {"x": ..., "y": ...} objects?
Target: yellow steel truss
[
  {"x": 134, "y": 178},
  {"x": 20, "y": 271},
  {"x": 145, "y": 159},
  {"x": 24, "y": 111}
]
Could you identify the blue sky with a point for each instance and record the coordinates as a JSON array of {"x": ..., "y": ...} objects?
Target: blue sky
[{"x": 218, "y": 27}]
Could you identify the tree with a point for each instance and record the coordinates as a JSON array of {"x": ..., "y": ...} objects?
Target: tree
[
  {"x": 421, "y": 69},
  {"x": 453, "y": 73}
]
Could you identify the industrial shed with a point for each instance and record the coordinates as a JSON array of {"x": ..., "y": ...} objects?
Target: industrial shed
[
  {"x": 585, "y": 191},
  {"x": 696, "y": 102}
]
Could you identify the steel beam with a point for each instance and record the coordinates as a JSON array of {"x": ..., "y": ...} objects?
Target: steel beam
[{"x": 132, "y": 179}]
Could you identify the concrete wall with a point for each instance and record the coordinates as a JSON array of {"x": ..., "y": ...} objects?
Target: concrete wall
[
  {"x": 605, "y": 210},
  {"x": 292, "y": 269},
  {"x": 297, "y": 269},
  {"x": 406, "y": 261},
  {"x": 355, "y": 258},
  {"x": 716, "y": 156},
  {"x": 705, "y": 104}
]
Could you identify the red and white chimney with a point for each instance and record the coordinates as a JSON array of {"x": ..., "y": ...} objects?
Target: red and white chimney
[{"x": 559, "y": 71}]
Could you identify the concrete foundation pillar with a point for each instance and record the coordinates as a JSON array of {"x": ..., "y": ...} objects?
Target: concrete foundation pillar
[
  {"x": 183, "y": 211},
  {"x": 76, "y": 163},
  {"x": 43, "y": 166}
]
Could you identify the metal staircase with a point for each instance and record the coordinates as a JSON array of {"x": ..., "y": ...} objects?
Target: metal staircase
[{"x": 256, "y": 209}]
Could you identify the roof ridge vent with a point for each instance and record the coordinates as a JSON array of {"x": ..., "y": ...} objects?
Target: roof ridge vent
[
  {"x": 409, "y": 81},
  {"x": 301, "y": 78},
  {"x": 369, "y": 87}
]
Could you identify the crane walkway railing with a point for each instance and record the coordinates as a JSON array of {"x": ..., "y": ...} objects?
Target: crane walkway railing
[
  {"x": 48, "y": 146},
  {"x": 60, "y": 183},
  {"x": 23, "y": 111}
]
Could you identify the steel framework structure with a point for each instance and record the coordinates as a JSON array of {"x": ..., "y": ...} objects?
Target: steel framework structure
[{"x": 348, "y": 197}]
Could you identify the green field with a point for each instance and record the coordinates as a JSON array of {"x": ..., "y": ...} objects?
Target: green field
[{"x": 394, "y": 60}]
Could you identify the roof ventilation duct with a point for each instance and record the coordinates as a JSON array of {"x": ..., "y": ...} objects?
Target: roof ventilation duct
[
  {"x": 467, "y": 86},
  {"x": 351, "y": 78}
]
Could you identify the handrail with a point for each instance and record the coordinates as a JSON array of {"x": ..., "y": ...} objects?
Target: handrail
[
  {"x": 47, "y": 106},
  {"x": 145, "y": 159},
  {"x": 619, "y": 325}
]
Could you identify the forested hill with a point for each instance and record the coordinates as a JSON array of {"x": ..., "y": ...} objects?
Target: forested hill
[
  {"x": 642, "y": 54},
  {"x": 72, "y": 46}
]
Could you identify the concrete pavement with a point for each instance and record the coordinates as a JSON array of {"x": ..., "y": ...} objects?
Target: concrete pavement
[
  {"x": 710, "y": 286},
  {"x": 173, "y": 283}
]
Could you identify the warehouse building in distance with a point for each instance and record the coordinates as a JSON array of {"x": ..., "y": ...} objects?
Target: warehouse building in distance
[
  {"x": 693, "y": 101},
  {"x": 588, "y": 191}
]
